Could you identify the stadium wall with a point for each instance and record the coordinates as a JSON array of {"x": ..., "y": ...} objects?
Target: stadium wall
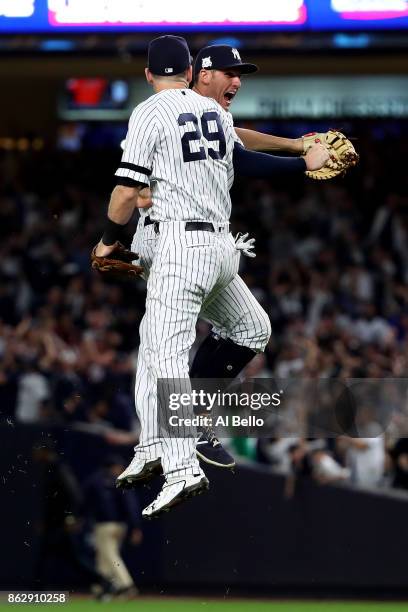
[{"x": 244, "y": 536}]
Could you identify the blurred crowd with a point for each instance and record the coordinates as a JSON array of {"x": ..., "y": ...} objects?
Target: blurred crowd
[
  {"x": 68, "y": 340},
  {"x": 331, "y": 271}
]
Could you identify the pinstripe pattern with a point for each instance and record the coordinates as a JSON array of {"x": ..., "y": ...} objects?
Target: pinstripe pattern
[
  {"x": 234, "y": 313},
  {"x": 188, "y": 269},
  {"x": 149, "y": 446},
  {"x": 183, "y": 191},
  {"x": 144, "y": 243},
  {"x": 237, "y": 315}
]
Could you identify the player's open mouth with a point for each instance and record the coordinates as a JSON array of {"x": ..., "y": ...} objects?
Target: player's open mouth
[{"x": 229, "y": 96}]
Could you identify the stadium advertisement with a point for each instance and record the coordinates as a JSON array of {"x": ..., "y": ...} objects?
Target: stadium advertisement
[
  {"x": 315, "y": 97},
  {"x": 46, "y": 16},
  {"x": 125, "y": 15},
  {"x": 357, "y": 14}
]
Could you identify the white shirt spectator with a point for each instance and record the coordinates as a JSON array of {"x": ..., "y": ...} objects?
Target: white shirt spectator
[
  {"x": 277, "y": 453},
  {"x": 287, "y": 368},
  {"x": 374, "y": 330},
  {"x": 359, "y": 282},
  {"x": 367, "y": 464},
  {"x": 326, "y": 469},
  {"x": 32, "y": 390}
]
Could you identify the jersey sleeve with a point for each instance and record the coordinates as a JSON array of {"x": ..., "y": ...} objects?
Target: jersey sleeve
[
  {"x": 230, "y": 121},
  {"x": 233, "y": 140},
  {"x": 261, "y": 165},
  {"x": 136, "y": 164}
]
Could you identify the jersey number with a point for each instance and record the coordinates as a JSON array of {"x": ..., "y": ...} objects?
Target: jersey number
[{"x": 196, "y": 134}]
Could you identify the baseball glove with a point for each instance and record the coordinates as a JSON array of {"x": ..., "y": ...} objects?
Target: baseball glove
[
  {"x": 342, "y": 154},
  {"x": 117, "y": 264}
]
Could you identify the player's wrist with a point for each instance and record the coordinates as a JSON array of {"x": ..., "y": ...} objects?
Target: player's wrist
[
  {"x": 298, "y": 146},
  {"x": 291, "y": 145},
  {"x": 113, "y": 232},
  {"x": 102, "y": 250}
]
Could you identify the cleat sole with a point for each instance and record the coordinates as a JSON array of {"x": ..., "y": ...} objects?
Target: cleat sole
[
  {"x": 229, "y": 466},
  {"x": 152, "y": 469},
  {"x": 184, "y": 495}
]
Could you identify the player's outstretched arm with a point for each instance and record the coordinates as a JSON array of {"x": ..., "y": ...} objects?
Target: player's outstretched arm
[
  {"x": 261, "y": 165},
  {"x": 258, "y": 141}
]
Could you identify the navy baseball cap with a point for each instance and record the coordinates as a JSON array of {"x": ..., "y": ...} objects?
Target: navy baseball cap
[
  {"x": 221, "y": 57},
  {"x": 168, "y": 55}
]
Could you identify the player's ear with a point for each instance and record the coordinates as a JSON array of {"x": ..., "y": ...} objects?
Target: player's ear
[
  {"x": 149, "y": 76},
  {"x": 205, "y": 76},
  {"x": 189, "y": 74}
]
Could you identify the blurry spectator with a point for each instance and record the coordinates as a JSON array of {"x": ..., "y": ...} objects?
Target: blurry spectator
[
  {"x": 257, "y": 368},
  {"x": 276, "y": 452},
  {"x": 399, "y": 456},
  {"x": 370, "y": 328},
  {"x": 60, "y": 529},
  {"x": 291, "y": 361},
  {"x": 33, "y": 389},
  {"x": 113, "y": 511},
  {"x": 365, "y": 457},
  {"x": 310, "y": 459},
  {"x": 300, "y": 467},
  {"x": 326, "y": 469},
  {"x": 365, "y": 454}
]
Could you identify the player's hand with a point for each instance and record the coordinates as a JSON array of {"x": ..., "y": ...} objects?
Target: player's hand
[
  {"x": 144, "y": 198},
  {"x": 115, "y": 261},
  {"x": 103, "y": 250},
  {"x": 316, "y": 157},
  {"x": 245, "y": 245}
]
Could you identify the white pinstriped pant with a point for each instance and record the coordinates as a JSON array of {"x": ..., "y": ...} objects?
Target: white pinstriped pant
[
  {"x": 234, "y": 314},
  {"x": 187, "y": 279}
]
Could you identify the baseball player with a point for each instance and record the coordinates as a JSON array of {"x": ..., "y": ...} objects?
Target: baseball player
[
  {"x": 217, "y": 74},
  {"x": 241, "y": 327},
  {"x": 185, "y": 146}
]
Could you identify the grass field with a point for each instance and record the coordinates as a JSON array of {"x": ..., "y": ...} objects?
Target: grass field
[{"x": 238, "y": 605}]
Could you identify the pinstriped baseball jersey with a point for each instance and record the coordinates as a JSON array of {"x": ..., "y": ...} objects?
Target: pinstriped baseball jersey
[
  {"x": 184, "y": 143},
  {"x": 181, "y": 144}
]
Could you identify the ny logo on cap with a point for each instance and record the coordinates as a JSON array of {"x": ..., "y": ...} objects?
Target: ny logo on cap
[
  {"x": 206, "y": 62},
  {"x": 168, "y": 70},
  {"x": 236, "y": 54}
]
